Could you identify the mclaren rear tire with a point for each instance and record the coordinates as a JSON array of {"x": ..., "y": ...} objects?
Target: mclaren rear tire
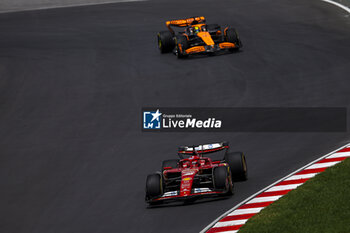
[
  {"x": 238, "y": 166},
  {"x": 165, "y": 41},
  {"x": 232, "y": 36},
  {"x": 154, "y": 186}
]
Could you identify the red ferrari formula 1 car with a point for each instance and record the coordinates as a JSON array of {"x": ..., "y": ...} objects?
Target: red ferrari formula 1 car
[
  {"x": 197, "y": 38},
  {"x": 195, "y": 175}
]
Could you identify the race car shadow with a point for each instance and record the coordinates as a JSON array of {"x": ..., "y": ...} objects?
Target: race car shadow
[{"x": 188, "y": 202}]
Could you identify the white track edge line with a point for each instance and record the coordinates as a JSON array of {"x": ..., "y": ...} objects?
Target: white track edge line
[
  {"x": 271, "y": 185},
  {"x": 338, "y": 5}
]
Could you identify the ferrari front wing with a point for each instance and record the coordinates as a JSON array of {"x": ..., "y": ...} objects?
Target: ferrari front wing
[{"x": 196, "y": 192}]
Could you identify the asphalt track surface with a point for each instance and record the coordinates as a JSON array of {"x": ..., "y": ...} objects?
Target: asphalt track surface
[{"x": 73, "y": 81}]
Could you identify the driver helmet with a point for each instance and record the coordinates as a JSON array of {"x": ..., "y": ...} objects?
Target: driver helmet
[
  {"x": 186, "y": 164},
  {"x": 196, "y": 29}
]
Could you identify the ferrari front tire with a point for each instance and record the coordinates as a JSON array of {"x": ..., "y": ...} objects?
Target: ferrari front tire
[
  {"x": 220, "y": 177},
  {"x": 154, "y": 187},
  {"x": 165, "y": 41}
]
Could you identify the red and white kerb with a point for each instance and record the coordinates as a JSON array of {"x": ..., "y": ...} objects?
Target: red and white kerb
[{"x": 235, "y": 218}]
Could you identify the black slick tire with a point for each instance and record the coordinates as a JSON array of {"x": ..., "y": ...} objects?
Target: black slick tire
[
  {"x": 154, "y": 186},
  {"x": 165, "y": 41},
  {"x": 238, "y": 166},
  {"x": 231, "y": 36},
  {"x": 220, "y": 177},
  {"x": 181, "y": 46}
]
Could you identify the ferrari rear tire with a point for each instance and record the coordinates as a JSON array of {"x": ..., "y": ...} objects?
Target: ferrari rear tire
[
  {"x": 220, "y": 178},
  {"x": 238, "y": 166},
  {"x": 165, "y": 41},
  {"x": 231, "y": 35},
  {"x": 173, "y": 163},
  {"x": 154, "y": 186},
  {"x": 181, "y": 46}
]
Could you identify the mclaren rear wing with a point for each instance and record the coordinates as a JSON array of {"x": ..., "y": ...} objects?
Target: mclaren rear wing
[
  {"x": 202, "y": 149},
  {"x": 184, "y": 22}
]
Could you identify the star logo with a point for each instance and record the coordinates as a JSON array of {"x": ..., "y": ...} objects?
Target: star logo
[
  {"x": 156, "y": 115},
  {"x": 152, "y": 119}
]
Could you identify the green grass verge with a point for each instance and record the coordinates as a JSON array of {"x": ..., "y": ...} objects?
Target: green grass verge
[{"x": 320, "y": 205}]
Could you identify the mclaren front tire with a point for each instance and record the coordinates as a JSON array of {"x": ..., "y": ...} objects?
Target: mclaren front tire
[
  {"x": 232, "y": 36},
  {"x": 181, "y": 46}
]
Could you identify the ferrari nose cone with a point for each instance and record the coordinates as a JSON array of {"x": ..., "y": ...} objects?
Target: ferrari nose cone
[{"x": 187, "y": 181}]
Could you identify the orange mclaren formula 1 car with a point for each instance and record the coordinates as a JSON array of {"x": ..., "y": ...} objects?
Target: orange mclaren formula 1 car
[{"x": 197, "y": 38}]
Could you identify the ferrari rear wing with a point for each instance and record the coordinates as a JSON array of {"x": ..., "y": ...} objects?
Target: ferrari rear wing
[
  {"x": 203, "y": 149},
  {"x": 184, "y": 22}
]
